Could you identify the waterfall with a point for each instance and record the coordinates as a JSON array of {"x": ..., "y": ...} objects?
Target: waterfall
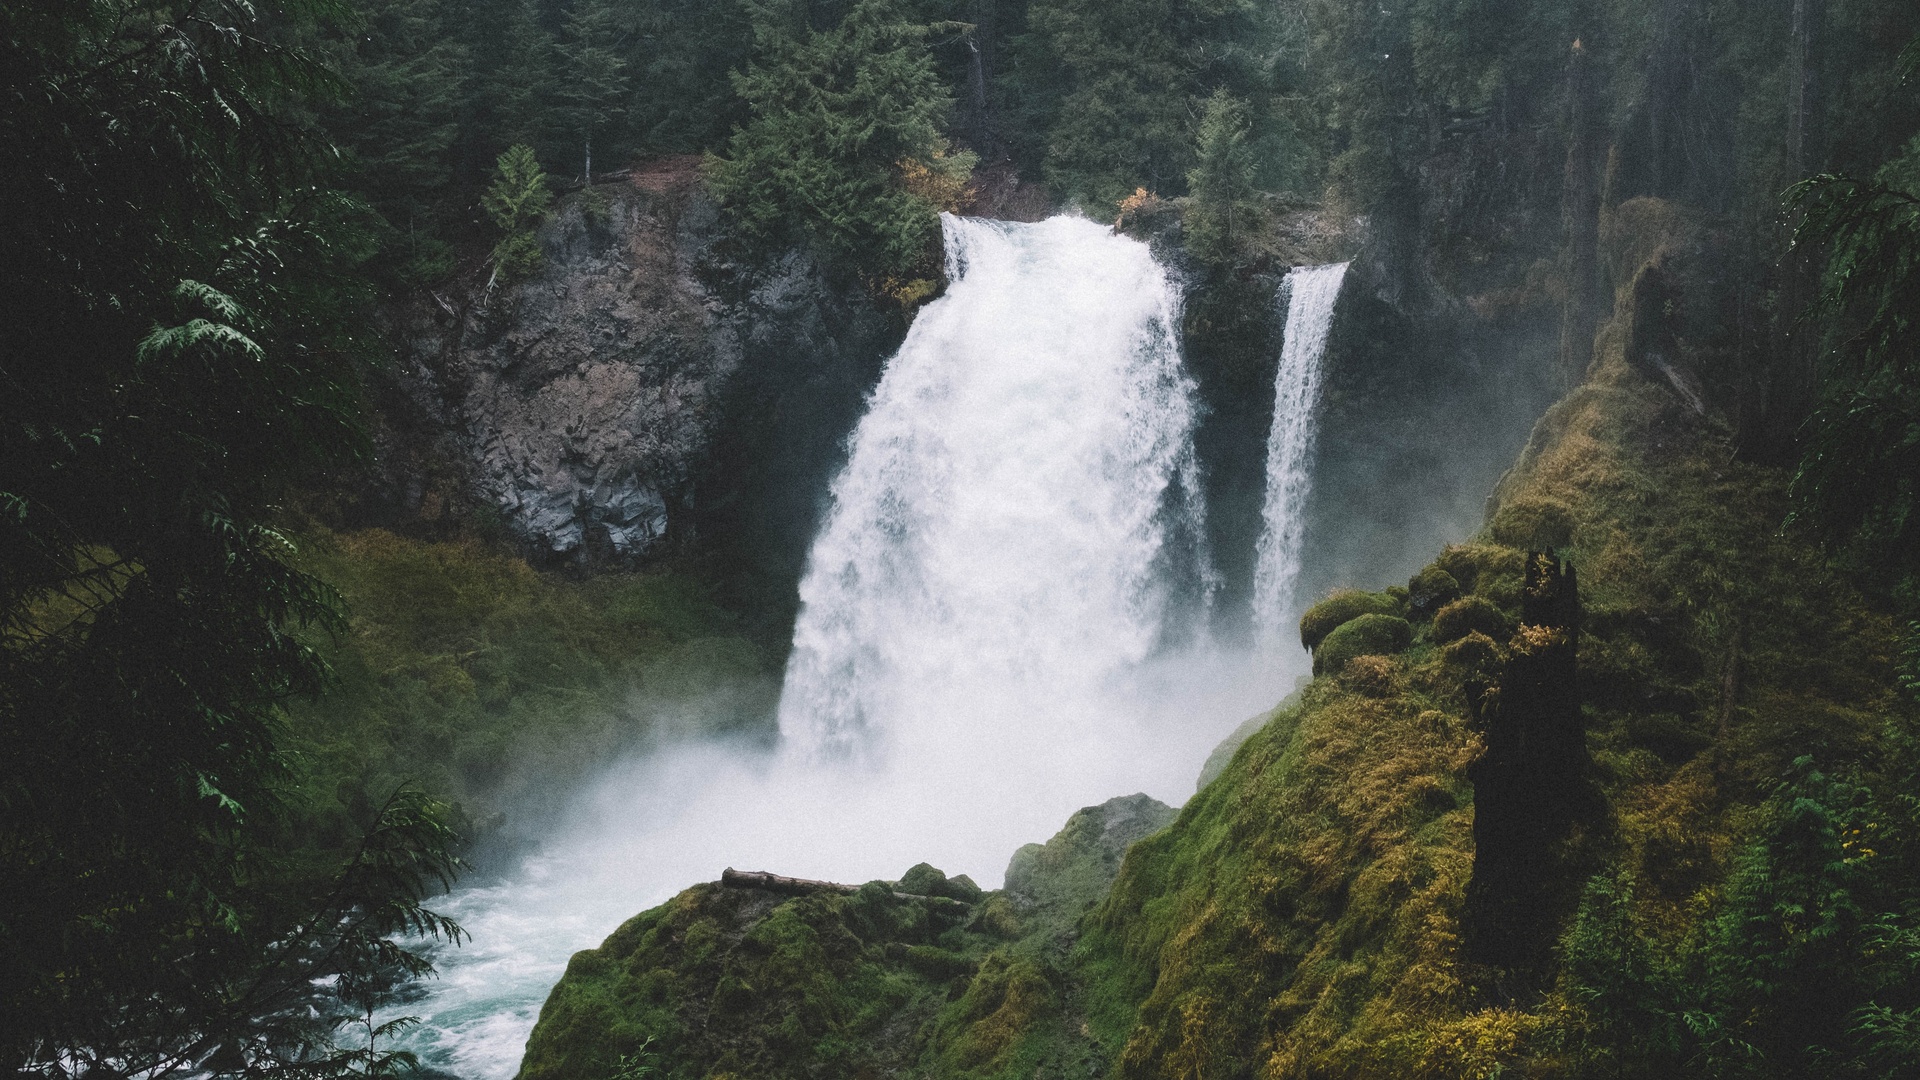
[
  {"x": 996, "y": 538},
  {"x": 983, "y": 645},
  {"x": 1313, "y": 291}
]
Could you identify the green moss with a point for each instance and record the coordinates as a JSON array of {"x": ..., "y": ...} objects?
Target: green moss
[
  {"x": 1368, "y": 635},
  {"x": 1470, "y": 615},
  {"x": 1430, "y": 590},
  {"x": 1301, "y": 916},
  {"x": 1534, "y": 523},
  {"x": 1341, "y": 607}
]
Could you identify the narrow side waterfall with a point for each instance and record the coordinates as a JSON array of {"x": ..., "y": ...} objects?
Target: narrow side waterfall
[
  {"x": 1313, "y": 291},
  {"x": 983, "y": 647},
  {"x": 995, "y": 539}
]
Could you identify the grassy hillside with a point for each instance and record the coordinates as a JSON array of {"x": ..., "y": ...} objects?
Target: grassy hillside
[{"x": 489, "y": 683}]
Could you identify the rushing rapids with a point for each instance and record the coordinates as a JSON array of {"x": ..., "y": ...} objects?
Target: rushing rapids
[
  {"x": 990, "y": 634},
  {"x": 1312, "y": 293}
]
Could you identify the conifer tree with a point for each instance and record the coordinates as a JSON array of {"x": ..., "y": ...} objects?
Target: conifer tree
[
  {"x": 1221, "y": 184},
  {"x": 836, "y": 116},
  {"x": 592, "y": 71},
  {"x": 517, "y": 201}
]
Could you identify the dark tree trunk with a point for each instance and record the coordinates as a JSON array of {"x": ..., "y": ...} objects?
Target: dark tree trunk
[
  {"x": 1529, "y": 787},
  {"x": 1807, "y": 17}
]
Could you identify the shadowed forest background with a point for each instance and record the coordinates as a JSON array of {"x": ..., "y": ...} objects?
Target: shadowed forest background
[{"x": 277, "y": 666}]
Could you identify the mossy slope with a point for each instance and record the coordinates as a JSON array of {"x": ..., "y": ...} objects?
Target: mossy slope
[
  {"x": 1302, "y": 916},
  {"x": 751, "y": 983},
  {"x": 467, "y": 672}
]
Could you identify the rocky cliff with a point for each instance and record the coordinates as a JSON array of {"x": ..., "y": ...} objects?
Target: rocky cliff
[{"x": 651, "y": 387}]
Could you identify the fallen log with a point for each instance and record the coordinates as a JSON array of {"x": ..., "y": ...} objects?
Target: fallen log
[
  {"x": 788, "y": 886},
  {"x": 760, "y": 879}
]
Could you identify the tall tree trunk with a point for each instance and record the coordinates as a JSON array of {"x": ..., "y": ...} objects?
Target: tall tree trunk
[
  {"x": 1807, "y": 17},
  {"x": 587, "y": 176},
  {"x": 980, "y": 46},
  {"x": 1580, "y": 211}
]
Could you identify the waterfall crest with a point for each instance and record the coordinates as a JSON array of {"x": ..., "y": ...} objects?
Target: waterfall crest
[
  {"x": 996, "y": 540},
  {"x": 1313, "y": 291}
]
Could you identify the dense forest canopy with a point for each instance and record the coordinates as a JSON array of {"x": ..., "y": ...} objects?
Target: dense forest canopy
[{"x": 209, "y": 201}]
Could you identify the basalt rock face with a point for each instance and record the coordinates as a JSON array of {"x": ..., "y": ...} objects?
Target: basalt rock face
[{"x": 599, "y": 411}]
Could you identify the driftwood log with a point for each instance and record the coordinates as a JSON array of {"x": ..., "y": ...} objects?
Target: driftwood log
[
  {"x": 760, "y": 879},
  {"x": 789, "y": 886}
]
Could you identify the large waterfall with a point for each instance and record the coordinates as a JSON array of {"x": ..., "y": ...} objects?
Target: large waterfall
[
  {"x": 993, "y": 545},
  {"x": 987, "y": 642},
  {"x": 1296, "y": 398}
]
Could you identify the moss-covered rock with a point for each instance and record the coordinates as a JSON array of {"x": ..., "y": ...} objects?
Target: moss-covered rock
[
  {"x": 925, "y": 880},
  {"x": 1468, "y": 615},
  {"x": 1533, "y": 523},
  {"x": 749, "y": 982},
  {"x": 1474, "y": 656},
  {"x": 1368, "y": 635},
  {"x": 1341, "y": 607},
  {"x": 1430, "y": 590}
]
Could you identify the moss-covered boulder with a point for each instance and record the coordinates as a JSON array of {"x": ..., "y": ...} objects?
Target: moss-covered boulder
[
  {"x": 1368, "y": 635},
  {"x": 1474, "y": 656},
  {"x": 893, "y": 979},
  {"x": 1468, "y": 615},
  {"x": 926, "y": 880},
  {"x": 1342, "y": 607},
  {"x": 1058, "y": 880},
  {"x": 1430, "y": 590},
  {"x": 1533, "y": 523}
]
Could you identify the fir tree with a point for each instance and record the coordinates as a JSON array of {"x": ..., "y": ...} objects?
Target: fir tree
[
  {"x": 593, "y": 71},
  {"x": 1221, "y": 184},
  {"x": 836, "y": 116},
  {"x": 517, "y": 201}
]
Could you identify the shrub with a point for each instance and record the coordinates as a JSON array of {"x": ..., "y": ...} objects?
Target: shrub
[
  {"x": 1467, "y": 615},
  {"x": 1431, "y": 589},
  {"x": 1368, "y": 635},
  {"x": 518, "y": 201},
  {"x": 1341, "y": 607},
  {"x": 1532, "y": 523},
  {"x": 1475, "y": 656}
]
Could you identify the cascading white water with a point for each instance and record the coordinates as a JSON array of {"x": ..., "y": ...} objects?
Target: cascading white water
[
  {"x": 982, "y": 645},
  {"x": 995, "y": 534},
  {"x": 1290, "y": 445}
]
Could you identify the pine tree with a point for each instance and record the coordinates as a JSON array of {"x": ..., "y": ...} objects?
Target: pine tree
[
  {"x": 1221, "y": 184},
  {"x": 517, "y": 201},
  {"x": 837, "y": 115},
  {"x": 592, "y": 71}
]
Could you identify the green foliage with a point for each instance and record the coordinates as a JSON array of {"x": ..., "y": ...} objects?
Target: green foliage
[
  {"x": 1220, "y": 185},
  {"x": 464, "y": 669},
  {"x": 398, "y": 129},
  {"x": 1131, "y": 74},
  {"x": 837, "y": 113},
  {"x": 1367, "y": 635},
  {"x": 518, "y": 200},
  {"x": 1856, "y": 479},
  {"x": 180, "y": 348},
  {"x": 592, "y": 70},
  {"x": 1340, "y": 608}
]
